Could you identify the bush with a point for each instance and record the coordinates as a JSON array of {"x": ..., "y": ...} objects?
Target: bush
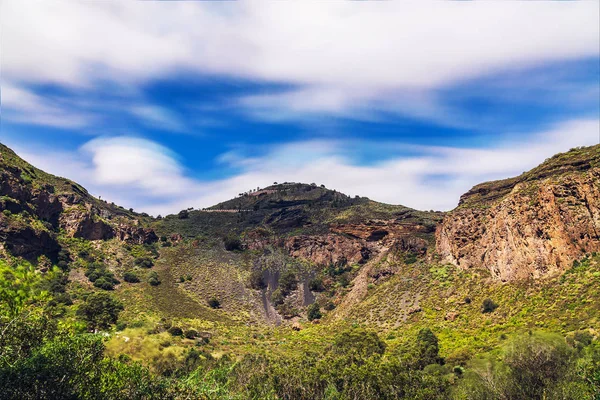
[
  {"x": 256, "y": 280},
  {"x": 144, "y": 262},
  {"x": 175, "y": 331},
  {"x": 153, "y": 279},
  {"x": 101, "y": 277},
  {"x": 214, "y": 303},
  {"x": 191, "y": 334},
  {"x": 488, "y": 306},
  {"x": 130, "y": 277},
  {"x": 314, "y": 312},
  {"x": 288, "y": 282},
  {"x": 102, "y": 283},
  {"x": 277, "y": 297},
  {"x": 232, "y": 243},
  {"x": 316, "y": 285}
]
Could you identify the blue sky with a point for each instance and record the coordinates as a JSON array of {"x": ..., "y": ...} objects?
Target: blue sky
[{"x": 166, "y": 105}]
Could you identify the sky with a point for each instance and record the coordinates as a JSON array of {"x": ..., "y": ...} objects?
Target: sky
[{"x": 165, "y": 105}]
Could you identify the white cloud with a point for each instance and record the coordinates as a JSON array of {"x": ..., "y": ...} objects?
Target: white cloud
[
  {"x": 21, "y": 105},
  {"x": 142, "y": 174},
  {"x": 341, "y": 54}
]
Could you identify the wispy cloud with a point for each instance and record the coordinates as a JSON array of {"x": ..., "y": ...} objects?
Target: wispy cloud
[
  {"x": 24, "y": 106},
  {"x": 158, "y": 117},
  {"x": 142, "y": 174},
  {"x": 340, "y": 52}
]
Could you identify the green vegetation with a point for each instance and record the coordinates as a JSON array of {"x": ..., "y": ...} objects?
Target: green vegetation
[
  {"x": 313, "y": 312},
  {"x": 153, "y": 279},
  {"x": 232, "y": 243},
  {"x": 130, "y": 277},
  {"x": 488, "y": 306},
  {"x": 214, "y": 303},
  {"x": 101, "y": 276}
]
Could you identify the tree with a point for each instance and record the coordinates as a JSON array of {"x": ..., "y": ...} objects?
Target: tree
[
  {"x": 183, "y": 214},
  {"x": 358, "y": 343},
  {"x": 18, "y": 287},
  {"x": 314, "y": 312},
  {"x": 427, "y": 348},
  {"x": 100, "y": 310}
]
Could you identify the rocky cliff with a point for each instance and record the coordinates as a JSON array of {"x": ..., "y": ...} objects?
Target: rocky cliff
[
  {"x": 530, "y": 226},
  {"x": 36, "y": 206}
]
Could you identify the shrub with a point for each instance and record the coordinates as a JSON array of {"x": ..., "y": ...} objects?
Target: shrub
[
  {"x": 214, "y": 303},
  {"x": 314, "y": 312},
  {"x": 288, "y": 282},
  {"x": 232, "y": 243},
  {"x": 256, "y": 280},
  {"x": 130, "y": 277},
  {"x": 101, "y": 277},
  {"x": 102, "y": 283},
  {"x": 358, "y": 343},
  {"x": 277, "y": 297},
  {"x": 191, "y": 334},
  {"x": 175, "y": 331},
  {"x": 488, "y": 306},
  {"x": 153, "y": 279},
  {"x": 316, "y": 285},
  {"x": 144, "y": 262}
]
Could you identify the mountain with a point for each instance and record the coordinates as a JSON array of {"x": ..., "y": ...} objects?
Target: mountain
[
  {"x": 530, "y": 226},
  {"x": 276, "y": 278}
]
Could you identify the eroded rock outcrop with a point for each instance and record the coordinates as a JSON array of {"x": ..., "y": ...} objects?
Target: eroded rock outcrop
[
  {"x": 36, "y": 206},
  {"x": 530, "y": 226}
]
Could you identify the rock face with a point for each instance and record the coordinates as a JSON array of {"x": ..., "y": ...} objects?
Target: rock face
[
  {"x": 530, "y": 226},
  {"x": 28, "y": 243},
  {"x": 349, "y": 243},
  {"x": 36, "y": 205}
]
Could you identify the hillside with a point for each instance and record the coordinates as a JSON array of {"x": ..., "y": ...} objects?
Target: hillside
[{"x": 300, "y": 229}]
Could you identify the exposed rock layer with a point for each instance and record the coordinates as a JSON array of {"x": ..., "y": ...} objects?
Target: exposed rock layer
[{"x": 530, "y": 226}]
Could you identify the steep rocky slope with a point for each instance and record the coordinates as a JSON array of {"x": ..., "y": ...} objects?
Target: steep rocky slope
[
  {"x": 530, "y": 226},
  {"x": 35, "y": 207}
]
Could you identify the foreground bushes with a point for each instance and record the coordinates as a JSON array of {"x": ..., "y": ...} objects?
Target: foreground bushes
[{"x": 44, "y": 357}]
